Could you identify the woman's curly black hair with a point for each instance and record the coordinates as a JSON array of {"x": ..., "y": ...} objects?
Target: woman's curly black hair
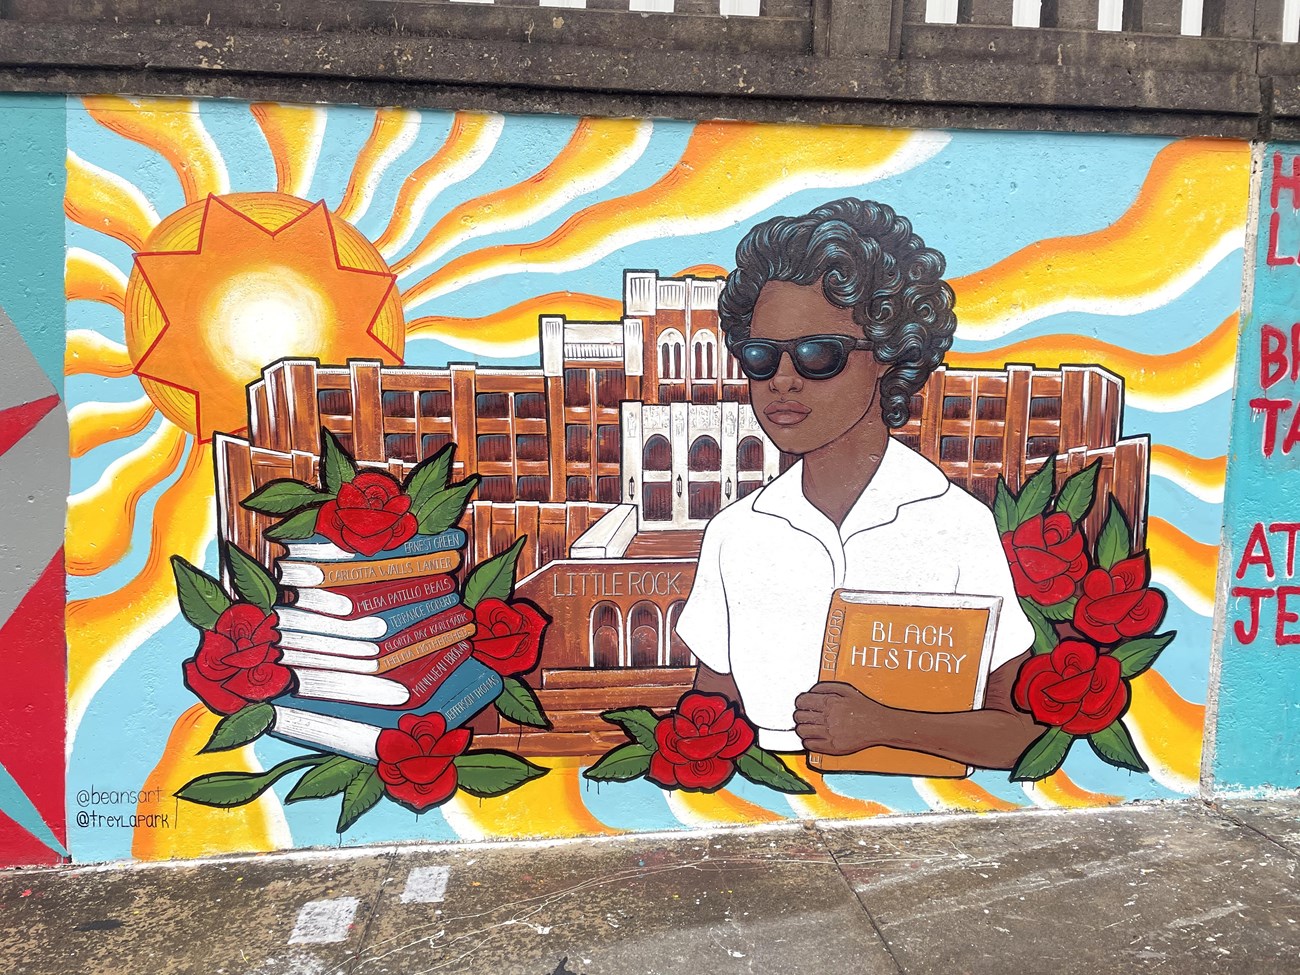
[{"x": 868, "y": 260}]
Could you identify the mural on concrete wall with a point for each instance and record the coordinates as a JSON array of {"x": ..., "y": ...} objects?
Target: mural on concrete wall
[
  {"x": 433, "y": 464},
  {"x": 1258, "y": 695}
]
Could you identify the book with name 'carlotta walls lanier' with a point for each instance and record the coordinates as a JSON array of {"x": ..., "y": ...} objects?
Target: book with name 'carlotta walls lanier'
[
  {"x": 303, "y": 574},
  {"x": 914, "y": 651}
]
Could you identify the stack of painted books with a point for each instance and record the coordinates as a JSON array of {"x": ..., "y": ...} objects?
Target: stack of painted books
[{"x": 372, "y": 638}]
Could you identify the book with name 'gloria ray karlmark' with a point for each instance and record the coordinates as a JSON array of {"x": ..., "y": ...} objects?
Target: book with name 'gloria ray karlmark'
[
  {"x": 318, "y": 548},
  {"x": 306, "y": 574},
  {"x": 407, "y": 686},
  {"x": 913, "y": 651},
  {"x": 322, "y": 656},
  {"x": 353, "y": 729},
  {"x": 368, "y": 599},
  {"x": 386, "y": 625}
]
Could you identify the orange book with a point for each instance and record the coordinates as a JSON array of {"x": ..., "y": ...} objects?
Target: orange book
[{"x": 916, "y": 651}]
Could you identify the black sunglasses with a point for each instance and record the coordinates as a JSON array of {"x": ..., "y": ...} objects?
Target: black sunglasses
[{"x": 814, "y": 356}]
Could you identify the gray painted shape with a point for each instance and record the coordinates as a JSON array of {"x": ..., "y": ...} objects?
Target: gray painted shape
[
  {"x": 24, "y": 380},
  {"x": 34, "y": 486}
]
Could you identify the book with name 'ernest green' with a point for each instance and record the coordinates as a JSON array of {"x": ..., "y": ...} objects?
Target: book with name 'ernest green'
[{"x": 915, "y": 651}]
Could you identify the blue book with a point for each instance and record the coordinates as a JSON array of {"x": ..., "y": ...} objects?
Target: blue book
[
  {"x": 296, "y": 625},
  {"x": 318, "y": 548},
  {"x": 353, "y": 729}
]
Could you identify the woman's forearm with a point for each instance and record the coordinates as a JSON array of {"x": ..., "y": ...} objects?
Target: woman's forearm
[{"x": 984, "y": 739}]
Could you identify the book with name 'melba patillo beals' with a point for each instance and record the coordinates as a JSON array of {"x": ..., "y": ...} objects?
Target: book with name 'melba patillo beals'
[{"x": 914, "y": 651}]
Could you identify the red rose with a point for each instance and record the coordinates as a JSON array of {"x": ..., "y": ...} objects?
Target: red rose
[
  {"x": 370, "y": 514},
  {"x": 1073, "y": 688},
  {"x": 238, "y": 660},
  {"x": 416, "y": 759},
  {"x": 698, "y": 743},
  {"x": 1046, "y": 557},
  {"x": 1116, "y": 605},
  {"x": 509, "y": 635}
]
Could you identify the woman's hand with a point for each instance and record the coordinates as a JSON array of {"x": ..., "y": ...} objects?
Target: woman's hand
[{"x": 838, "y": 719}]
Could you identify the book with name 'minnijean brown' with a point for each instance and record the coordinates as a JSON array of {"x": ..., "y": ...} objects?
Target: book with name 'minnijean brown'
[{"x": 915, "y": 651}]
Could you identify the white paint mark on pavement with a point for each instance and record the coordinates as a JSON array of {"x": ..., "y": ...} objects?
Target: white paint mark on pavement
[
  {"x": 324, "y": 922},
  {"x": 426, "y": 885}
]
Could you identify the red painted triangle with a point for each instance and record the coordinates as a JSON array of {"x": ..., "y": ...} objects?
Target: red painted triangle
[{"x": 17, "y": 421}]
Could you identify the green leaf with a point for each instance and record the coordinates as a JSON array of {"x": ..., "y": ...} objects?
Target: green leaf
[
  {"x": 1115, "y": 541},
  {"x": 301, "y": 525},
  {"x": 1037, "y": 492},
  {"x": 327, "y": 779},
  {"x": 518, "y": 703},
  {"x": 430, "y": 476},
  {"x": 201, "y": 596},
  {"x": 245, "y": 725},
  {"x": 1135, "y": 656},
  {"x": 442, "y": 509},
  {"x": 225, "y": 789},
  {"x": 1043, "y": 757},
  {"x": 1045, "y": 636},
  {"x": 252, "y": 582},
  {"x": 493, "y": 579},
  {"x": 283, "y": 496},
  {"x": 623, "y": 764},
  {"x": 1004, "y": 509},
  {"x": 1077, "y": 493},
  {"x": 1057, "y": 612},
  {"x": 493, "y": 773},
  {"x": 639, "y": 723},
  {"x": 359, "y": 797},
  {"x": 1114, "y": 746},
  {"x": 767, "y": 769},
  {"x": 336, "y": 467}
]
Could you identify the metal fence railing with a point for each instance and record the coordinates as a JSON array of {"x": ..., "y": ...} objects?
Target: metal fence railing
[{"x": 1270, "y": 20}]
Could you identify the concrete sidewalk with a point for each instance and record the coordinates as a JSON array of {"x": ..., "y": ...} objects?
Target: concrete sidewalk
[{"x": 1179, "y": 888}]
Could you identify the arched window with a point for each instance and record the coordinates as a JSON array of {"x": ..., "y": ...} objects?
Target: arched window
[
  {"x": 705, "y": 454},
  {"x": 657, "y": 454},
  {"x": 749, "y": 454},
  {"x": 733, "y": 367},
  {"x": 679, "y": 654},
  {"x": 606, "y": 635},
  {"x": 643, "y": 626},
  {"x": 705, "y": 349},
  {"x": 671, "y": 346}
]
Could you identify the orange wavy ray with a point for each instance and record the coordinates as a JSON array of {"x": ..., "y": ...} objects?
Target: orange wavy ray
[
  {"x": 598, "y": 152},
  {"x": 960, "y": 794},
  {"x": 472, "y": 137},
  {"x": 826, "y": 803},
  {"x": 173, "y": 129},
  {"x": 717, "y": 809},
  {"x": 393, "y": 133},
  {"x": 195, "y": 830},
  {"x": 547, "y": 808},
  {"x": 102, "y": 631},
  {"x": 101, "y": 518},
  {"x": 1183, "y": 564},
  {"x": 1168, "y": 730},
  {"x": 513, "y": 331},
  {"x": 92, "y": 425},
  {"x": 1152, "y": 382},
  {"x": 1202, "y": 476},
  {"x": 1059, "y": 791},
  {"x": 725, "y": 174},
  {"x": 294, "y": 134},
  {"x": 1200, "y": 186},
  {"x": 702, "y": 271},
  {"x": 103, "y": 201},
  {"x": 90, "y": 353},
  {"x": 88, "y": 277}
]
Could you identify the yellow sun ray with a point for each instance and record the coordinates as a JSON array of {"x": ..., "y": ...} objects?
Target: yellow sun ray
[
  {"x": 726, "y": 173},
  {"x": 90, "y": 353},
  {"x": 1202, "y": 477},
  {"x": 195, "y": 831},
  {"x": 103, "y": 201},
  {"x": 1059, "y": 791},
  {"x": 702, "y": 271},
  {"x": 103, "y": 630},
  {"x": 394, "y": 132},
  {"x": 723, "y": 808},
  {"x": 102, "y": 517},
  {"x": 471, "y": 140},
  {"x": 826, "y": 803},
  {"x": 1160, "y": 383},
  {"x": 599, "y": 151},
  {"x": 172, "y": 128},
  {"x": 547, "y": 808},
  {"x": 1168, "y": 732},
  {"x": 1200, "y": 186},
  {"x": 89, "y": 277},
  {"x": 512, "y": 331},
  {"x": 1183, "y": 565},
  {"x": 294, "y": 134},
  {"x": 92, "y": 425},
  {"x": 947, "y": 794}
]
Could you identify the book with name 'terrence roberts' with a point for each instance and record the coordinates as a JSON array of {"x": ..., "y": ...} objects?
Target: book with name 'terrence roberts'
[{"x": 913, "y": 651}]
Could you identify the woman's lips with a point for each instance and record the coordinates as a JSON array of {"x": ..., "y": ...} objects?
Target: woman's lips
[{"x": 786, "y": 412}]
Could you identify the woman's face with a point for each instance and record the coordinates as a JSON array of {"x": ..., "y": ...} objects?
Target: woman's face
[{"x": 798, "y": 414}]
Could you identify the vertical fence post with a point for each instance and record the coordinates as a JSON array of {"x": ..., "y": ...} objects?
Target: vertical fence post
[
  {"x": 1268, "y": 19},
  {"x": 849, "y": 28},
  {"x": 995, "y": 12},
  {"x": 1162, "y": 16},
  {"x": 1070, "y": 14}
]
